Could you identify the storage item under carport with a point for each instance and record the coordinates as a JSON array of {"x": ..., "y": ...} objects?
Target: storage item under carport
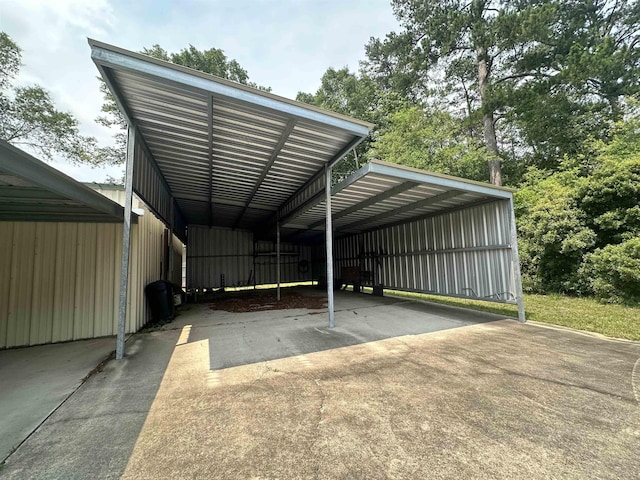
[{"x": 160, "y": 297}]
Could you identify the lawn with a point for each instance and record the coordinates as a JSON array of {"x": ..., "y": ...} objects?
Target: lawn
[{"x": 580, "y": 313}]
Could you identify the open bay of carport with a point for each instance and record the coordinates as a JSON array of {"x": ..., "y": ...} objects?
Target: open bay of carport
[{"x": 399, "y": 389}]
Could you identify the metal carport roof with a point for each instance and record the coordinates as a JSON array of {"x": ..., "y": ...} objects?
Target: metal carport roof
[
  {"x": 381, "y": 194},
  {"x": 226, "y": 154},
  {"x": 31, "y": 190}
]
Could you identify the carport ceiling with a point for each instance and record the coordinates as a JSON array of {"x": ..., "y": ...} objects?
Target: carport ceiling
[
  {"x": 230, "y": 154},
  {"x": 381, "y": 194},
  {"x": 30, "y": 190}
]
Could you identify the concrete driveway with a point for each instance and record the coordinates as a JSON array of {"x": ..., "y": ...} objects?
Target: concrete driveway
[
  {"x": 398, "y": 389},
  {"x": 34, "y": 381}
]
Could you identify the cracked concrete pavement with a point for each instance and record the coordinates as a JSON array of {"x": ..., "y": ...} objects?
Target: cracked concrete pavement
[{"x": 398, "y": 389}]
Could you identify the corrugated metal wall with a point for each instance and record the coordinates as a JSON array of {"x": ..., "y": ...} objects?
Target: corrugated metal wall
[
  {"x": 149, "y": 184},
  {"x": 60, "y": 281},
  {"x": 215, "y": 251},
  {"x": 295, "y": 263},
  {"x": 464, "y": 253},
  {"x": 212, "y": 252}
]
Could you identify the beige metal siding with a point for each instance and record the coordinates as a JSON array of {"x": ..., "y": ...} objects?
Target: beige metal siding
[{"x": 60, "y": 281}]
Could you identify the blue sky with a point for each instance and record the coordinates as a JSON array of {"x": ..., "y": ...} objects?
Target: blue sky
[{"x": 284, "y": 44}]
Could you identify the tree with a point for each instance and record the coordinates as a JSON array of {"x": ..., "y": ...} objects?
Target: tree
[
  {"x": 553, "y": 234},
  {"x": 358, "y": 96},
  {"x": 541, "y": 76},
  {"x": 213, "y": 61},
  {"x": 431, "y": 140},
  {"x": 587, "y": 60},
  {"x": 29, "y": 118},
  {"x": 578, "y": 226},
  {"x": 442, "y": 40}
]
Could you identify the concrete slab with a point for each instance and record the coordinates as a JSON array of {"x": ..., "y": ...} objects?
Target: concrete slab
[
  {"x": 34, "y": 381},
  {"x": 381, "y": 396}
]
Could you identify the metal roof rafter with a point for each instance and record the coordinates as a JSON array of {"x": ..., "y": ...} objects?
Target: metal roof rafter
[
  {"x": 210, "y": 153},
  {"x": 403, "y": 187},
  {"x": 405, "y": 208},
  {"x": 274, "y": 155}
]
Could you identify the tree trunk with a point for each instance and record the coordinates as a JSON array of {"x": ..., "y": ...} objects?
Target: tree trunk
[
  {"x": 616, "y": 110},
  {"x": 495, "y": 168}
]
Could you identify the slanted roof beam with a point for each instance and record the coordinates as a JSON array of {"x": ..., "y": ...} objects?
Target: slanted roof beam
[
  {"x": 140, "y": 140},
  {"x": 274, "y": 155},
  {"x": 210, "y": 153},
  {"x": 405, "y": 208},
  {"x": 398, "y": 189}
]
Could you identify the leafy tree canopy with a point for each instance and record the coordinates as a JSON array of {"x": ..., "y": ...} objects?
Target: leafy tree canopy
[
  {"x": 533, "y": 78},
  {"x": 358, "y": 96},
  {"x": 573, "y": 221},
  {"x": 434, "y": 141},
  {"x": 29, "y": 118}
]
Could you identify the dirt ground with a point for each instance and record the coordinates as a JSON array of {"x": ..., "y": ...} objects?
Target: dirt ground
[{"x": 259, "y": 301}]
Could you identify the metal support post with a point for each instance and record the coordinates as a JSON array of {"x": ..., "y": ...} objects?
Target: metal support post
[
  {"x": 170, "y": 241},
  {"x": 126, "y": 242},
  {"x": 329, "y": 240},
  {"x": 278, "y": 259},
  {"x": 515, "y": 259}
]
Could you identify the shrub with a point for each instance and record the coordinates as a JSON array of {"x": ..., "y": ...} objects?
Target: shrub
[{"x": 613, "y": 272}]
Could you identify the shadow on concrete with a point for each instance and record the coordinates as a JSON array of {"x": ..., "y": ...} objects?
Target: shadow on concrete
[
  {"x": 94, "y": 432},
  {"x": 242, "y": 339}
]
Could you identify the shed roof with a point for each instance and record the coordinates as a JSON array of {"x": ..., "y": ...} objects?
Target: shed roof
[
  {"x": 229, "y": 155},
  {"x": 381, "y": 194},
  {"x": 31, "y": 190}
]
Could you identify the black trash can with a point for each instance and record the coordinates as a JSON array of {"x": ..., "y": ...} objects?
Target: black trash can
[{"x": 160, "y": 298}]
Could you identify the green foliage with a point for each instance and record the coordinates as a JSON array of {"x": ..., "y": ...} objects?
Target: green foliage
[
  {"x": 552, "y": 231},
  {"x": 610, "y": 198},
  {"x": 536, "y": 79},
  {"x": 573, "y": 79},
  {"x": 473, "y": 53},
  {"x": 358, "y": 96},
  {"x": 10, "y": 57},
  {"x": 613, "y": 272},
  {"x": 29, "y": 118},
  {"x": 573, "y": 221},
  {"x": 434, "y": 141}
]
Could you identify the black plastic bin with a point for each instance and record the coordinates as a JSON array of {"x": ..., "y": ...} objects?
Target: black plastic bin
[{"x": 160, "y": 297}]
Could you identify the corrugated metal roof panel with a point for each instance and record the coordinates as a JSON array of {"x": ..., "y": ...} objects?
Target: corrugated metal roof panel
[
  {"x": 30, "y": 190},
  {"x": 374, "y": 197},
  {"x": 220, "y": 139}
]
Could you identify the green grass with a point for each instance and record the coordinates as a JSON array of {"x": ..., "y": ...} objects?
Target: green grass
[{"x": 579, "y": 313}]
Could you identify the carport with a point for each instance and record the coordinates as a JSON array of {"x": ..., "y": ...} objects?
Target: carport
[{"x": 206, "y": 152}]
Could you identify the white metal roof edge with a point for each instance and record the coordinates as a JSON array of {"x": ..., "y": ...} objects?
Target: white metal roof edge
[
  {"x": 21, "y": 164},
  {"x": 425, "y": 177},
  {"x": 113, "y": 57}
]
